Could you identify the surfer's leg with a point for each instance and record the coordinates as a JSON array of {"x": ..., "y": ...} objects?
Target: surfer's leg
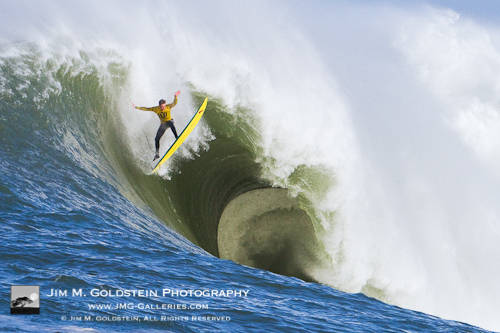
[
  {"x": 159, "y": 134},
  {"x": 172, "y": 127}
]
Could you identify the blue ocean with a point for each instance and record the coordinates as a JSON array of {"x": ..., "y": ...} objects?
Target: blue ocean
[{"x": 342, "y": 179}]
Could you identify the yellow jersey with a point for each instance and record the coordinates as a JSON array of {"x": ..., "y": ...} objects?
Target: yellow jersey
[{"x": 164, "y": 114}]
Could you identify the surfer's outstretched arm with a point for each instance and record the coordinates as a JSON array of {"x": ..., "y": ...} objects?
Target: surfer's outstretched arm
[
  {"x": 173, "y": 103},
  {"x": 142, "y": 108}
]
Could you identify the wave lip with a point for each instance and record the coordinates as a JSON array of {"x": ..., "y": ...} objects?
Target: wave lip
[{"x": 265, "y": 228}]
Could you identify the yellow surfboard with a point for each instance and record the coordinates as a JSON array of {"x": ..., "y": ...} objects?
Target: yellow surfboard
[{"x": 185, "y": 133}]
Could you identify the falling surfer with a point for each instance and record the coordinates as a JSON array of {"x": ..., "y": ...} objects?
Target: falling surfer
[{"x": 163, "y": 111}]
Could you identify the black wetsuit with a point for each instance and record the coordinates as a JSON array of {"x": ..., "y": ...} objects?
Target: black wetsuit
[{"x": 162, "y": 129}]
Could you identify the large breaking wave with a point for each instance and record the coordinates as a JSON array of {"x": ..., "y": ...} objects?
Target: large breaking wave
[{"x": 387, "y": 149}]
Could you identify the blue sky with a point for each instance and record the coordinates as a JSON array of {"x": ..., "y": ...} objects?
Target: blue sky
[{"x": 478, "y": 9}]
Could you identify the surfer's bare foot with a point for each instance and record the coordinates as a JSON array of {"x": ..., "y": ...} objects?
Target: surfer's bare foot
[{"x": 156, "y": 156}]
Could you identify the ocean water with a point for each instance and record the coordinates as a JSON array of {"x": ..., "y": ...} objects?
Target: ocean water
[{"x": 343, "y": 178}]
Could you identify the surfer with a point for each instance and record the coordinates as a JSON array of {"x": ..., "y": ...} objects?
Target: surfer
[{"x": 163, "y": 112}]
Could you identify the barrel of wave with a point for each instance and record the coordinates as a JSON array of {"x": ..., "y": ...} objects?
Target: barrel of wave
[{"x": 266, "y": 228}]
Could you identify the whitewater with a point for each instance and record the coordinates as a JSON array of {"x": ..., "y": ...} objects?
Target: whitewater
[{"x": 374, "y": 128}]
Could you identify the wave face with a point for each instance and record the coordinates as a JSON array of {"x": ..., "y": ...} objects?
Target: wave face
[{"x": 387, "y": 151}]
